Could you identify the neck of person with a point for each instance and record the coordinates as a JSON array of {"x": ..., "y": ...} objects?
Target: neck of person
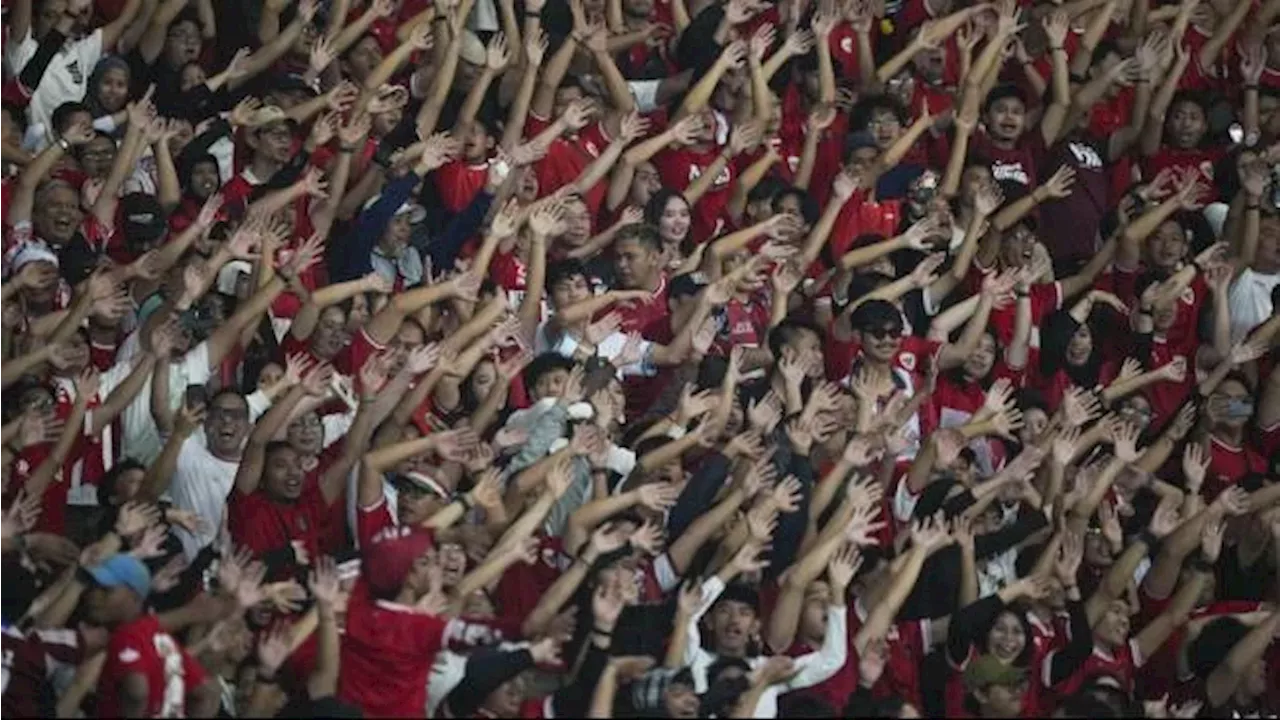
[
  {"x": 225, "y": 457},
  {"x": 1265, "y": 268},
  {"x": 1234, "y": 436},
  {"x": 263, "y": 167}
]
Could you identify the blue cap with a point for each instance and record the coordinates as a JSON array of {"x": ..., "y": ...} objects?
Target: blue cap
[{"x": 125, "y": 570}]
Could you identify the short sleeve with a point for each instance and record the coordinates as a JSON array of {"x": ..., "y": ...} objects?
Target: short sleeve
[
  {"x": 89, "y": 50},
  {"x": 18, "y": 54},
  {"x": 195, "y": 365}
]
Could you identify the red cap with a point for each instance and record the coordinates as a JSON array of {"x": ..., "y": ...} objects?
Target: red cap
[{"x": 389, "y": 558}]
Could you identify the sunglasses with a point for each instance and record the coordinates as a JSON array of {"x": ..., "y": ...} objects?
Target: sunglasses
[{"x": 881, "y": 333}]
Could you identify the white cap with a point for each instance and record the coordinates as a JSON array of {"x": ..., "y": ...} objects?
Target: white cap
[{"x": 32, "y": 252}]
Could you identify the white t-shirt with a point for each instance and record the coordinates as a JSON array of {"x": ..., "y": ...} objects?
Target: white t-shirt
[
  {"x": 142, "y": 441},
  {"x": 201, "y": 483},
  {"x": 67, "y": 77},
  {"x": 1250, "y": 301}
]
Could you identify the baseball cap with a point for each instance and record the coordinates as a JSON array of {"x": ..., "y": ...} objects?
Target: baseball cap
[
  {"x": 266, "y": 115},
  {"x": 986, "y": 670},
  {"x": 859, "y": 140},
  {"x": 420, "y": 481},
  {"x": 389, "y": 558},
  {"x": 121, "y": 570},
  {"x": 144, "y": 220},
  {"x": 471, "y": 49},
  {"x": 416, "y": 212},
  {"x": 32, "y": 252},
  {"x": 293, "y": 82}
]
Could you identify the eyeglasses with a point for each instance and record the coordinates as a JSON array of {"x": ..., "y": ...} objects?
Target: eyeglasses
[{"x": 887, "y": 331}]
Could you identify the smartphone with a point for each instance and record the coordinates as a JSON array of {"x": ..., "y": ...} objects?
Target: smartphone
[{"x": 196, "y": 396}]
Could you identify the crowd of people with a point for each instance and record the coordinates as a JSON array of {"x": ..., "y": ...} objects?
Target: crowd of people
[{"x": 685, "y": 358}]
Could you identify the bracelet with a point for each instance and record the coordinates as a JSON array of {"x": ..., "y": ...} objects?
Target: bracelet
[
  {"x": 1150, "y": 540},
  {"x": 533, "y": 15},
  {"x": 64, "y": 144},
  {"x": 1250, "y": 86},
  {"x": 347, "y": 148},
  {"x": 1252, "y": 206},
  {"x": 467, "y": 504},
  {"x": 1057, "y": 48},
  {"x": 603, "y": 633}
]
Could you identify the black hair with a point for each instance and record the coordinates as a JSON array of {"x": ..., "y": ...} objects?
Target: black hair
[
  {"x": 60, "y": 120},
  {"x": 863, "y": 283},
  {"x": 189, "y": 165},
  {"x": 1019, "y": 612},
  {"x": 875, "y": 314},
  {"x": 766, "y": 189},
  {"x": 107, "y": 484},
  {"x": 1213, "y": 643},
  {"x": 1116, "y": 699},
  {"x": 565, "y": 269},
  {"x": 228, "y": 391},
  {"x": 1194, "y": 97},
  {"x": 808, "y": 206},
  {"x": 16, "y": 115},
  {"x": 643, "y": 233},
  {"x": 658, "y": 204},
  {"x": 785, "y": 331},
  {"x": 366, "y": 35},
  {"x": 1085, "y": 707},
  {"x": 801, "y": 705},
  {"x": 1239, "y": 377},
  {"x": 545, "y": 363},
  {"x": 1031, "y": 399},
  {"x": 1105, "y": 47},
  {"x": 860, "y": 117},
  {"x": 1002, "y": 91}
]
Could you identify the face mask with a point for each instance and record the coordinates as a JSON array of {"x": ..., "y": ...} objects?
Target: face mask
[{"x": 1239, "y": 409}]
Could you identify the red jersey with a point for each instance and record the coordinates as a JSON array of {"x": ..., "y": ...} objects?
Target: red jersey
[
  {"x": 1201, "y": 160},
  {"x": 142, "y": 647},
  {"x": 863, "y": 216},
  {"x": 908, "y": 643},
  {"x": 522, "y": 586},
  {"x": 1228, "y": 465},
  {"x": 262, "y": 523},
  {"x": 679, "y": 167},
  {"x": 1121, "y": 665},
  {"x": 387, "y": 654},
  {"x": 458, "y": 182},
  {"x": 373, "y": 520},
  {"x": 567, "y": 157},
  {"x": 647, "y": 317},
  {"x": 30, "y": 661},
  {"x": 742, "y": 322}
]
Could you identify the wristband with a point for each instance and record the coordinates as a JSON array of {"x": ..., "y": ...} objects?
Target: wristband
[
  {"x": 347, "y": 148},
  {"x": 1252, "y": 206},
  {"x": 64, "y": 144},
  {"x": 1057, "y": 48},
  {"x": 603, "y": 633},
  {"x": 467, "y": 504},
  {"x": 1251, "y": 86},
  {"x": 533, "y": 15}
]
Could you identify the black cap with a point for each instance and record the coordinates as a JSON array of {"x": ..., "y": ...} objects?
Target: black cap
[
  {"x": 293, "y": 82},
  {"x": 144, "y": 221}
]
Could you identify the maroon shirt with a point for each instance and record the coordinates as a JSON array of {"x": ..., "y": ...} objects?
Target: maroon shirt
[
  {"x": 1069, "y": 227},
  {"x": 30, "y": 660}
]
